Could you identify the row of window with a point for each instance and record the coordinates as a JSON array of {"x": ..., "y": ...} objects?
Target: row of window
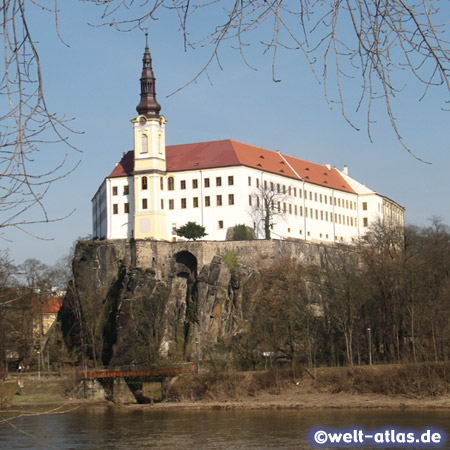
[
  {"x": 340, "y": 219},
  {"x": 195, "y": 202},
  {"x": 317, "y": 197},
  {"x": 313, "y": 196}
]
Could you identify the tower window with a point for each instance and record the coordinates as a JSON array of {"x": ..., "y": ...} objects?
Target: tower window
[
  {"x": 144, "y": 143},
  {"x": 115, "y": 208},
  {"x": 144, "y": 183},
  {"x": 126, "y": 190},
  {"x": 126, "y": 208},
  {"x": 170, "y": 184},
  {"x": 161, "y": 183},
  {"x": 114, "y": 190},
  {"x": 144, "y": 203}
]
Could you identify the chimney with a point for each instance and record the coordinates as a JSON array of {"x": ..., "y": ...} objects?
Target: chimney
[
  {"x": 345, "y": 170},
  {"x": 328, "y": 166}
]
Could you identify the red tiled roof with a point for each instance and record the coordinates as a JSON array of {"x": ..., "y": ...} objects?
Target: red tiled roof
[
  {"x": 51, "y": 305},
  {"x": 208, "y": 155}
]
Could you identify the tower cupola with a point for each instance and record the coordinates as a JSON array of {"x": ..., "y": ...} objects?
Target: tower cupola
[{"x": 148, "y": 106}]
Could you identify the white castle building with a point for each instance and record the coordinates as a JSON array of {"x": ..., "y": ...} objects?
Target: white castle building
[{"x": 155, "y": 189}]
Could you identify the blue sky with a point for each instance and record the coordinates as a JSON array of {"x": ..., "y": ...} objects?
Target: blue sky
[{"x": 96, "y": 81}]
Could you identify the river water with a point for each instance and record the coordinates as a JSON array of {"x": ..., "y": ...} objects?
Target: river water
[{"x": 117, "y": 428}]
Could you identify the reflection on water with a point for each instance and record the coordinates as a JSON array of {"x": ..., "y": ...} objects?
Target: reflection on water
[{"x": 114, "y": 428}]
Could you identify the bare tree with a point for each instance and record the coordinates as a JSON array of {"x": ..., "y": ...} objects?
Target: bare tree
[
  {"x": 27, "y": 127},
  {"x": 369, "y": 43},
  {"x": 268, "y": 206}
]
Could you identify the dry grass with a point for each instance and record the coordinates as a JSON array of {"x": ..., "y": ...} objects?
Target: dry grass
[
  {"x": 415, "y": 380},
  {"x": 228, "y": 386},
  {"x": 412, "y": 380}
]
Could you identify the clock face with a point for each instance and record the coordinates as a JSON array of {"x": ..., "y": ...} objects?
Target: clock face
[{"x": 142, "y": 120}]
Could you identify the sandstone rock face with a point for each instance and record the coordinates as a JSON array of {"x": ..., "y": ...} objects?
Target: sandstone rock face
[{"x": 134, "y": 302}]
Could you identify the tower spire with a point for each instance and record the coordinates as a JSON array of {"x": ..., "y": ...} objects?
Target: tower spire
[{"x": 148, "y": 105}]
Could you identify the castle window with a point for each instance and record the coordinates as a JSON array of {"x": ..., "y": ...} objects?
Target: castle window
[
  {"x": 315, "y": 196},
  {"x": 220, "y": 224},
  {"x": 171, "y": 204},
  {"x": 290, "y": 208},
  {"x": 161, "y": 183},
  {"x": 144, "y": 183},
  {"x": 295, "y": 207},
  {"x": 162, "y": 203},
  {"x": 364, "y": 206},
  {"x": 284, "y": 207},
  {"x": 206, "y": 182},
  {"x": 183, "y": 184},
  {"x": 114, "y": 190},
  {"x": 257, "y": 202},
  {"x": 144, "y": 143},
  {"x": 257, "y": 182},
  {"x": 195, "y": 202},
  {"x": 144, "y": 203},
  {"x": 249, "y": 200},
  {"x": 183, "y": 203},
  {"x": 126, "y": 190},
  {"x": 278, "y": 187},
  {"x": 320, "y": 197},
  {"x": 115, "y": 208},
  {"x": 231, "y": 199},
  {"x": 249, "y": 181},
  {"x": 126, "y": 208},
  {"x": 207, "y": 200},
  {"x": 284, "y": 189},
  {"x": 170, "y": 184},
  {"x": 301, "y": 210},
  {"x": 194, "y": 184},
  {"x": 230, "y": 180},
  {"x": 265, "y": 185},
  {"x": 219, "y": 200},
  {"x": 218, "y": 181},
  {"x": 365, "y": 222}
]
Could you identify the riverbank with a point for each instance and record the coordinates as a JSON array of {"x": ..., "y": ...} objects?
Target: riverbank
[{"x": 420, "y": 386}]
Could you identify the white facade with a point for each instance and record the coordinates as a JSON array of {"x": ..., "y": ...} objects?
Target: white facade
[{"x": 220, "y": 198}]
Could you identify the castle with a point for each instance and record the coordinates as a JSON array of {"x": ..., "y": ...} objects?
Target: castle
[{"x": 155, "y": 189}]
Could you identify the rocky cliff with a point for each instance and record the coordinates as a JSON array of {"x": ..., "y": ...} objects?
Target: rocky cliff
[{"x": 133, "y": 302}]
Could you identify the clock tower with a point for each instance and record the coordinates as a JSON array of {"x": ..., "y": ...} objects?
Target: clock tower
[{"x": 150, "y": 220}]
